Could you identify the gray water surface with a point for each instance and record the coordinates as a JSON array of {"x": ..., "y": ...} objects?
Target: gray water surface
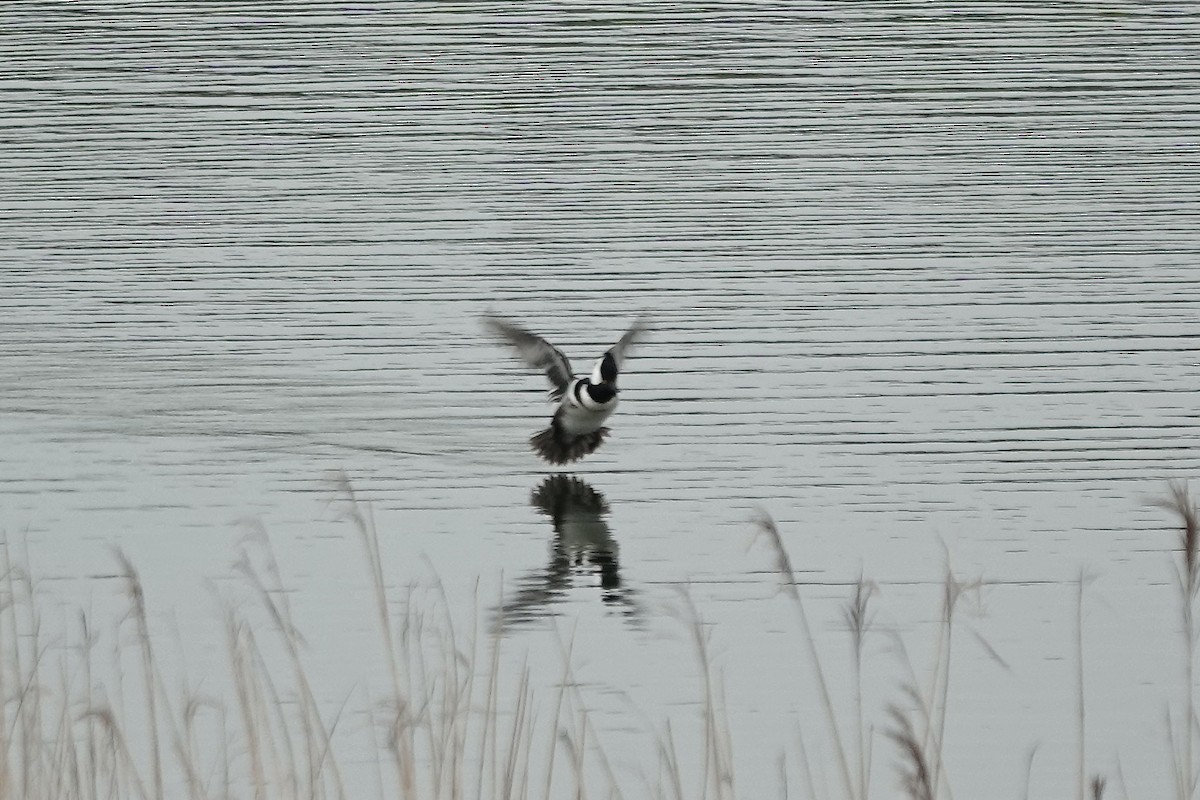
[{"x": 922, "y": 281}]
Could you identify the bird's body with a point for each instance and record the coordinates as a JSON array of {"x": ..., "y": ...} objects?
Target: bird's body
[{"x": 584, "y": 403}]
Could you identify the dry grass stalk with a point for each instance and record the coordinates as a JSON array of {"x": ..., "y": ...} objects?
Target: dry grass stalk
[
  {"x": 1080, "y": 711},
  {"x": 858, "y": 618},
  {"x": 932, "y": 705},
  {"x": 805, "y": 765},
  {"x": 137, "y": 599},
  {"x": 1029, "y": 770},
  {"x": 116, "y": 762},
  {"x": 318, "y": 774},
  {"x": 718, "y": 758},
  {"x": 935, "y": 705},
  {"x": 565, "y": 651},
  {"x": 10, "y": 667},
  {"x": 1188, "y": 577},
  {"x": 20, "y": 692},
  {"x": 449, "y": 723},
  {"x": 669, "y": 763},
  {"x": 787, "y": 578},
  {"x": 400, "y": 745},
  {"x": 939, "y": 690},
  {"x": 247, "y": 697},
  {"x": 916, "y": 776},
  {"x": 65, "y": 737},
  {"x": 438, "y": 701}
]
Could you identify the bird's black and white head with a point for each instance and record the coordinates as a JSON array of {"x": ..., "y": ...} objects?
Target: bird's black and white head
[
  {"x": 605, "y": 370},
  {"x": 601, "y": 385},
  {"x": 598, "y": 393}
]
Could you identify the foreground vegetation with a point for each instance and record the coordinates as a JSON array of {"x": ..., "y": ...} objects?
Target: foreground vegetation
[{"x": 452, "y": 725}]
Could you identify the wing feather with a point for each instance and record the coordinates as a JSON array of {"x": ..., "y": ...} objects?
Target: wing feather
[
  {"x": 608, "y": 366},
  {"x": 632, "y": 335},
  {"x": 536, "y": 352}
]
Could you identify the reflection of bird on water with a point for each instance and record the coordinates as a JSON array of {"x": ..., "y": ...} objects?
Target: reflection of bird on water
[
  {"x": 577, "y": 427},
  {"x": 582, "y": 546}
]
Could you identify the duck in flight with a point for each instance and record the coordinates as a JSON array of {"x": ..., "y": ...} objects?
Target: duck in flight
[{"x": 584, "y": 403}]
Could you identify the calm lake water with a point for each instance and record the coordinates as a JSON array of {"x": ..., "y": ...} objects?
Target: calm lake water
[{"x": 922, "y": 281}]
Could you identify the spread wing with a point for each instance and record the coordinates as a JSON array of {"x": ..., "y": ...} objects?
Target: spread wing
[
  {"x": 536, "y": 352},
  {"x": 609, "y": 365},
  {"x": 617, "y": 351}
]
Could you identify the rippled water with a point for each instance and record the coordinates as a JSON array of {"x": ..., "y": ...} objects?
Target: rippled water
[{"x": 923, "y": 285}]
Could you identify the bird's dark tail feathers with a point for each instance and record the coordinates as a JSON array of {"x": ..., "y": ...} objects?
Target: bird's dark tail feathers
[{"x": 558, "y": 447}]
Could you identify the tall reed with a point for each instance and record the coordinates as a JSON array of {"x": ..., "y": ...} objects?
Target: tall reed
[
  {"x": 454, "y": 721},
  {"x": 1187, "y": 574},
  {"x": 916, "y": 774},
  {"x": 922, "y": 768},
  {"x": 858, "y": 618},
  {"x": 788, "y": 583},
  {"x": 717, "y": 766},
  {"x": 458, "y": 723}
]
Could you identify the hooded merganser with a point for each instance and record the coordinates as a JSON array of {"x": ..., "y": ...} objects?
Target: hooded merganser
[{"x": 577, "y": 427}]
